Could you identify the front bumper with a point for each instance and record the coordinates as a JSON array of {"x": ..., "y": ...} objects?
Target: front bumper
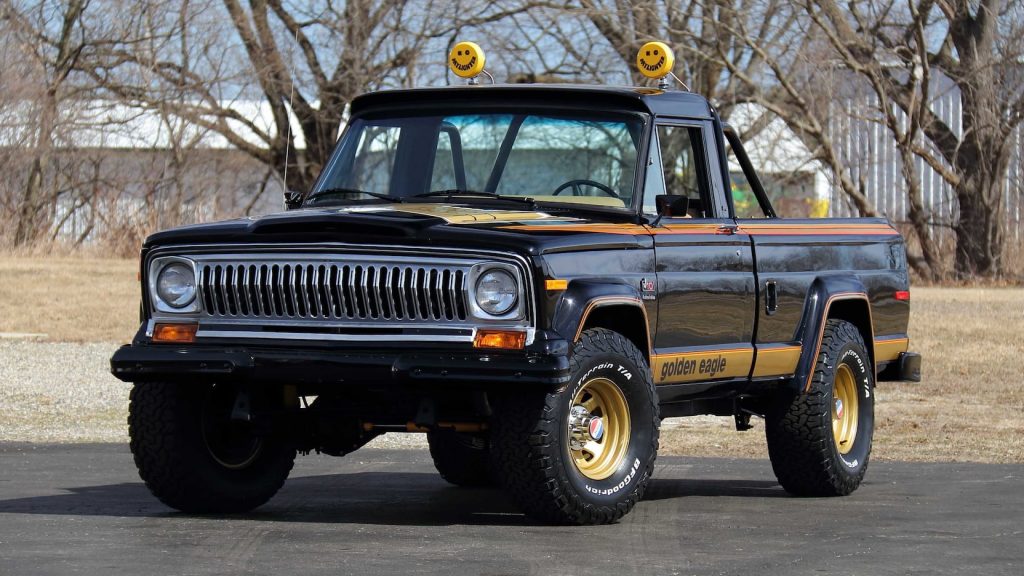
[{"x": 546, "y": 364}]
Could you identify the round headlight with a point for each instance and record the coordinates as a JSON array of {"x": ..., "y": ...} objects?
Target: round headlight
[
  {"x": 176, "y": 285},
  {"x": 496, "y": 292}
]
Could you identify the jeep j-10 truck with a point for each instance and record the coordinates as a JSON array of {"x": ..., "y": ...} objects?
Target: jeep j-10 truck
[{"x": 532, "y": 275}]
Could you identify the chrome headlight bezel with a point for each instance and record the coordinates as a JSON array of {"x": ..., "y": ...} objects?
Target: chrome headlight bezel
[
  {"x": 517, "y": 310},
  {"x": 157, "y": 267}
]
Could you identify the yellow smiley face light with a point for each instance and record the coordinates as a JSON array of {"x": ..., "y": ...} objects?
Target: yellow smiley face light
[
  {"x": 655, "y": 60},
  {"x": 466, "y": 60}
]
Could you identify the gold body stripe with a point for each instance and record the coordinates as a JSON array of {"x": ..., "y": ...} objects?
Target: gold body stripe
[
  {"x": 775, "y": 360},
  {"x": 887, "y": 349},
  {"x": 713, "y": 228},
  {"x": 772, "y": 360},
  {"x": 702, "y": 365}
]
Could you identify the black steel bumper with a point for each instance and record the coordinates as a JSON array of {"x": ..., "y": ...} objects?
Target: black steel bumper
[
  {"x": 906, "y": 368},
  {"x": 141, "y": 362}
]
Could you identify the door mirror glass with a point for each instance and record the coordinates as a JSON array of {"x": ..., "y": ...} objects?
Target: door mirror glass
[{"x": 671, "y": 205}]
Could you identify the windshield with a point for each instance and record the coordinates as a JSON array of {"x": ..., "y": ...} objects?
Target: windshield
[{"x": 588, "y": 159}]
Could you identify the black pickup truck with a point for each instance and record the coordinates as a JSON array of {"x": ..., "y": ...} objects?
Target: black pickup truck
[{"x": 534, "y": 276}]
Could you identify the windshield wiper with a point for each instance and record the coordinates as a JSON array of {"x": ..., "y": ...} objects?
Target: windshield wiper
[
  {"x": 479, "y": 193},
  {"x": 330, "y": 192},
  {"x": 454, "y": 192}
]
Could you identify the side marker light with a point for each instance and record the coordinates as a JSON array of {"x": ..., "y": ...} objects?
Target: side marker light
[
  {"x": 553, "y": 285},
  {"x": 507, "y": 339},
  {"x": 180, "y": 333}
]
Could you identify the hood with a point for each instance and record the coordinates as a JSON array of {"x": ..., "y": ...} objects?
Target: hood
[{"x": 529, "y": 231}]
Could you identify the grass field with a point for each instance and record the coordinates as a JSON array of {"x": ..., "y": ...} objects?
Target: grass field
[
  {"x": 968, "y": 406},
  {"x": 69, "y": 299}
]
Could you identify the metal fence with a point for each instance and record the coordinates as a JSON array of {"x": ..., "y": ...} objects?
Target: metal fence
[{"x": 866, "y": 145}]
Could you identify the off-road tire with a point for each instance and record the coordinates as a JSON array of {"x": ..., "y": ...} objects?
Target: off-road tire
[
  {"x": 801, "y": 445},
  {"x": 462, "y": 459},
  {"x": 173, "y": 458},
  {"x": 530, "y": 429}
]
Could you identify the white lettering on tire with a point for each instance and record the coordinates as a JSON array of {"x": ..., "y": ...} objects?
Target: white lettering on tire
[
  {"x": 591, "y": 371},
  {"x": 625, "y": 482}
]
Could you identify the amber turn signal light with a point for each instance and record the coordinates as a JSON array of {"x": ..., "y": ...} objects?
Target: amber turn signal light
[
  {"x": 554, "y": 285},
  {"x": 500, "y": 339},
  {"x": 175, "y": 332}
]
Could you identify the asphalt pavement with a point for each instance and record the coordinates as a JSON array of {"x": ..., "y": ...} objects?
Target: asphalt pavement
[{"x": 81, "y": 509}]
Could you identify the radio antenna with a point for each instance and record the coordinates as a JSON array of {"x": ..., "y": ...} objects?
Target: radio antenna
[{"x": 288, "y": 118}]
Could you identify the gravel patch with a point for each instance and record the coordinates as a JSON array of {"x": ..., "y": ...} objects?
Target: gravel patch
[
  {"x": 60, "y": 392},
  {"x": 63, "y": 392}
]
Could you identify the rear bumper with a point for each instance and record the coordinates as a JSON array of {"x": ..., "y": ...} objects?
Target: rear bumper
[
  {"x": 906, "y": 368},
  {"x": 141, "y": 362}
]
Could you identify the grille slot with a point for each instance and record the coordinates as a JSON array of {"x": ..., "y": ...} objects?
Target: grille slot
[{"x": 356, "y": 291}]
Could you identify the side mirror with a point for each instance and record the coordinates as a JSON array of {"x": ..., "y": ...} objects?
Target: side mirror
[
  {"x": 671, "y": 205},
  {"x": 292, "y": 199}
]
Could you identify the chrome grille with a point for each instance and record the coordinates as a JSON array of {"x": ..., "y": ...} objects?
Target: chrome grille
[{"x": 333, "y": 290}]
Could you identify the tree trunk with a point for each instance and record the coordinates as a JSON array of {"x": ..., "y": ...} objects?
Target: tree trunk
[
  {"x": 979, "y": 231},
  {"x": 983, "y": 156},
  {"x": 31, "y": 204},
  {"x": 919, "y": 217},
  {"x": 982, "y": 161}
]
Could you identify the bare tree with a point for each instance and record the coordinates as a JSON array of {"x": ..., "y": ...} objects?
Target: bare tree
[
  {"x": 701, "y": 33},
  {"x": 48, "y": 36},
  {"x": 305, "y": 62},
  {"x": 734, "y": 53},
  {"x": 784, "y": 57},
  {"x": 897, "y": 47}
]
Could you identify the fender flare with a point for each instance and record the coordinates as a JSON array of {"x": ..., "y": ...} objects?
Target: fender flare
[
  {"x": 824, "y": 292},
  {"x": 582, "y": 297}
]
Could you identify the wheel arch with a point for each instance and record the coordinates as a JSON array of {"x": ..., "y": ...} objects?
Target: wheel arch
[
  {"x": 833, "y": 298},
  {"x": 615, "y": 306}
]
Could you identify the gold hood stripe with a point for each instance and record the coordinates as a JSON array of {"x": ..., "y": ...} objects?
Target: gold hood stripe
[{"x": 465, "y": 215}]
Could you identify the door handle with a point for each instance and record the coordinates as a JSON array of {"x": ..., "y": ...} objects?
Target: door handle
[
  {"x": 726, "y": 229},
  {"x": 771, "y": 297}
]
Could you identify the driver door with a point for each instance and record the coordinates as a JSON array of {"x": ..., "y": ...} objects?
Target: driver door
[{"x": 705, "y": 268}]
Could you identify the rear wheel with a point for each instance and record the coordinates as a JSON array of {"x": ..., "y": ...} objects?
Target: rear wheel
[
  {"x": 819, "y": 441},
  {"x": 461, "y": 459},
  {"x": 194, "y": 457},
  {"x": 582, "y": 454}
]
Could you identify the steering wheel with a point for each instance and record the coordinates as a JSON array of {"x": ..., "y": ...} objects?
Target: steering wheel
[{"x": 576, "y": 191}]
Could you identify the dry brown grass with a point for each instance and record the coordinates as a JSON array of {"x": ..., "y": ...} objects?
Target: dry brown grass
[
  {"x": 68, "y": 298},
  {"x": 968, "y": 407}
]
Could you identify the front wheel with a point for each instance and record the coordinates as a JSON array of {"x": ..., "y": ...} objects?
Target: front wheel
[
  {"x": 194, "y": 457},
  {"x": 582, "y": 454},
  {"x": 819, "y": 441}
]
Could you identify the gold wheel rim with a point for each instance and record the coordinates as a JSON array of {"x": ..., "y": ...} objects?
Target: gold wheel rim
[
  {"x": 845, "y": 409},
  {"x": 599, "y": 459}
]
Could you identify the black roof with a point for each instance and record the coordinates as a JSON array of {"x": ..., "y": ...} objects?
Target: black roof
[{"x": 631, "y": 98}]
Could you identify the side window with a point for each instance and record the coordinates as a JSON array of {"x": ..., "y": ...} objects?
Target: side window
[
  {"x": 654, "y": 185},
  {"x": 443, "y": 176},
  {"x": 683, "y": 172}
]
